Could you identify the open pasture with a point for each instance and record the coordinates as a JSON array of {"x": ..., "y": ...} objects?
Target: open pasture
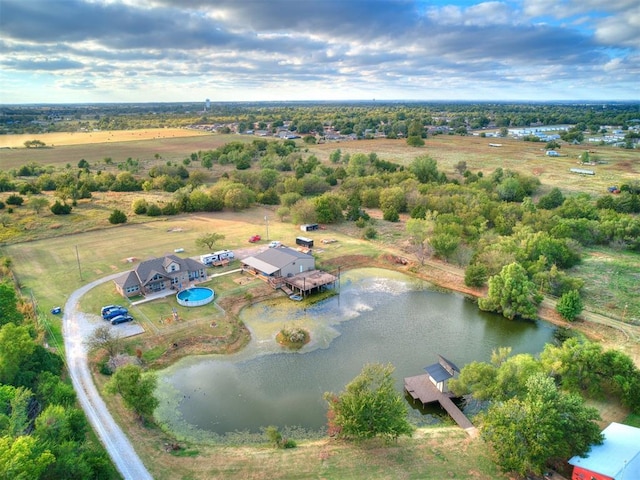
[
  {"x": 620, "y": 165},
  {"x": 59, "y": 139},
  {"x": 149, "y": 150}
]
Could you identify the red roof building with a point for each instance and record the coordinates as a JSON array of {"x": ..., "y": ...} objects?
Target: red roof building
[{"x": 618, "y": 458}]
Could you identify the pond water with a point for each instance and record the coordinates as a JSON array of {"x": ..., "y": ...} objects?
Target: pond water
[{"x": 379, "y": 316}]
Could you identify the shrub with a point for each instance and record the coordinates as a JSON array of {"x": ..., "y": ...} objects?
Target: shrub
[
  {"x": 60, "y": 208},
  {"x": 289, "y": 443},
  {"x": 117, "y": 216},
  {"x": 170, "y": 209},
  {"x": 570, "y": 305},
  {"x": 415, "y": 141},
  {"x": 391, "y": 215},
  {"x": 140, "y": 206},
  {"x": 370, "y": 233},
  {"x": 15, "y": 200},
  {"x": 27, "y": 188},
  {"x": 154, "y": 210}
]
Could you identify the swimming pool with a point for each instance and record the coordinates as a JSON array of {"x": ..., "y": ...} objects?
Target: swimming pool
[{"x": 195, "y": 296}]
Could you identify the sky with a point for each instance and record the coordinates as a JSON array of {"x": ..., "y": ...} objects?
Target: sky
[{"x": 91, "y": 51}]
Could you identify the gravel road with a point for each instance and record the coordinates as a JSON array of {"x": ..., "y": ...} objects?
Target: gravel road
[{"x": 76, "y": 327}]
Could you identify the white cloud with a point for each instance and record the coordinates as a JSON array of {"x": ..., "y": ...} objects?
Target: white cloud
[{"x": 321, "y": 49}]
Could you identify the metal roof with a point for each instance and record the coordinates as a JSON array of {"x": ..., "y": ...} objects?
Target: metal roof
[
  {"x": 618, "y": 457},
  {"x": 274, "y": 259},
  {"x": 437, "y": 372},
  {"x": 443, "y": 370}
]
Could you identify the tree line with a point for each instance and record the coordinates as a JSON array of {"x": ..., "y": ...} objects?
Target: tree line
[
  {"x": 308, "y": 116},
  {"x": 43, "y": 433}
]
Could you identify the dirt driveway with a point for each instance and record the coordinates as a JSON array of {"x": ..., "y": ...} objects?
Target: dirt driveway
[{"x": 76, "y": 327}]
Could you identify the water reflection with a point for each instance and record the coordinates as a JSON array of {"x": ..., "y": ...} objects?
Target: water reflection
[{"x": 379, "y": 316}]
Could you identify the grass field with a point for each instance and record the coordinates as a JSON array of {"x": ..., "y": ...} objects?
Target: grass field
[
  {"x": 58, "y": 139},
  {"x": 169, "y": 144},
  {"x": 525, "y": 157},
  {"x": 612, "y": 283}
]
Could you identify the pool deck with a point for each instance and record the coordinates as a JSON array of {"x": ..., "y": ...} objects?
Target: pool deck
[{"x": 154, "y": 296}]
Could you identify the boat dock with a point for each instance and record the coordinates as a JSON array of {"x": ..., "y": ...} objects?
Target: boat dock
[{"x": 422, "y": 389}]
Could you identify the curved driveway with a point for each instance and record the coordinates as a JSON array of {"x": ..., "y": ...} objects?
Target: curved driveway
[{"x": 76, "y": 327}]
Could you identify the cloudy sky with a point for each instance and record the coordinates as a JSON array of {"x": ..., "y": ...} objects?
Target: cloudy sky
[{"x": 62, "y": 51}]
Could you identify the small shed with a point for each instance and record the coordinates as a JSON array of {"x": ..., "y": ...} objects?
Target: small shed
[
  {"x": 309, "y": 227},
  {"x": 304, "y": 242},
  {"x": 618, "y": 458},
  {"x": 440, "y": 373}
]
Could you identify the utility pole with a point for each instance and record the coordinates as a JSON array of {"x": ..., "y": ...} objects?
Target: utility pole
[
  {"x": 266, "y": 221},
  {"x": 78, "y": 260}
]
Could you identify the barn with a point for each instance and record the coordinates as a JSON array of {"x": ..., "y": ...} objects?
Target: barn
[{"x": 618, "y": 458}]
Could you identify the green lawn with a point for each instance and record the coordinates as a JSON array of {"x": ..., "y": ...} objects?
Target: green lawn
[{"x": 612, "y": 283}]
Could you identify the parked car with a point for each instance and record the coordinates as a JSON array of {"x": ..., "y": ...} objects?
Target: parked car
[
  {"x": 107, "y": 308},
  {"x": 121, "y": 319},
  {"x": 274, "y": 244},
  {"x": 254, "y": 238},
  {"x": 114, "y": 312}
]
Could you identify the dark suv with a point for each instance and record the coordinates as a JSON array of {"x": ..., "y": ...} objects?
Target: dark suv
[
  {"x": 114, "y": 312},
  {"x": 121, "y": 319},
  {"x": 108, "y": 308}
]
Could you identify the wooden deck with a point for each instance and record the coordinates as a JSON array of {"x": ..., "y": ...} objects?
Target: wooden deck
[{"x": 422, "y": 389}]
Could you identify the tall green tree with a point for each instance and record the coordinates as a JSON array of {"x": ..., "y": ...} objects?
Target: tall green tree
[
  {"x": 425, "y": 169},
  {"x": 16, "y": 345},
  {"x": 551, "y": 200},
  {"x": 503, "y": 378},
  {"x": 544, "y": 425},
  {"x": 512, "y": 294},
  {"x": 8, "y": 304},
  {"x": 370, "y": 406},
  {"x": 582, "y": 366},
  {"x": 22, "y": 458},
  {"x": 136, "y": 389},
  {"x": 418, "y": 230},
  {"x": 209, "y": 240},
  {"x": 329, "y": 208}
]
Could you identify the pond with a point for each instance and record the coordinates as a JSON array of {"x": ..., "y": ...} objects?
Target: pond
[{"x": 379, "y": 316}]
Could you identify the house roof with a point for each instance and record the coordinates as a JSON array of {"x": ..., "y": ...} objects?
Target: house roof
[
  {"x": 618, "y": 457},
  {"x": 148, "y": 268},
  {"x": 127, "y": 279},
  {"x": 274, "y": 259},
  {"x": 144, "y": 272}
]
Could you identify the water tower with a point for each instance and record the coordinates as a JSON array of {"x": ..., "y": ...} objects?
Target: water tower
[{"x": 207, "y": 104}]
